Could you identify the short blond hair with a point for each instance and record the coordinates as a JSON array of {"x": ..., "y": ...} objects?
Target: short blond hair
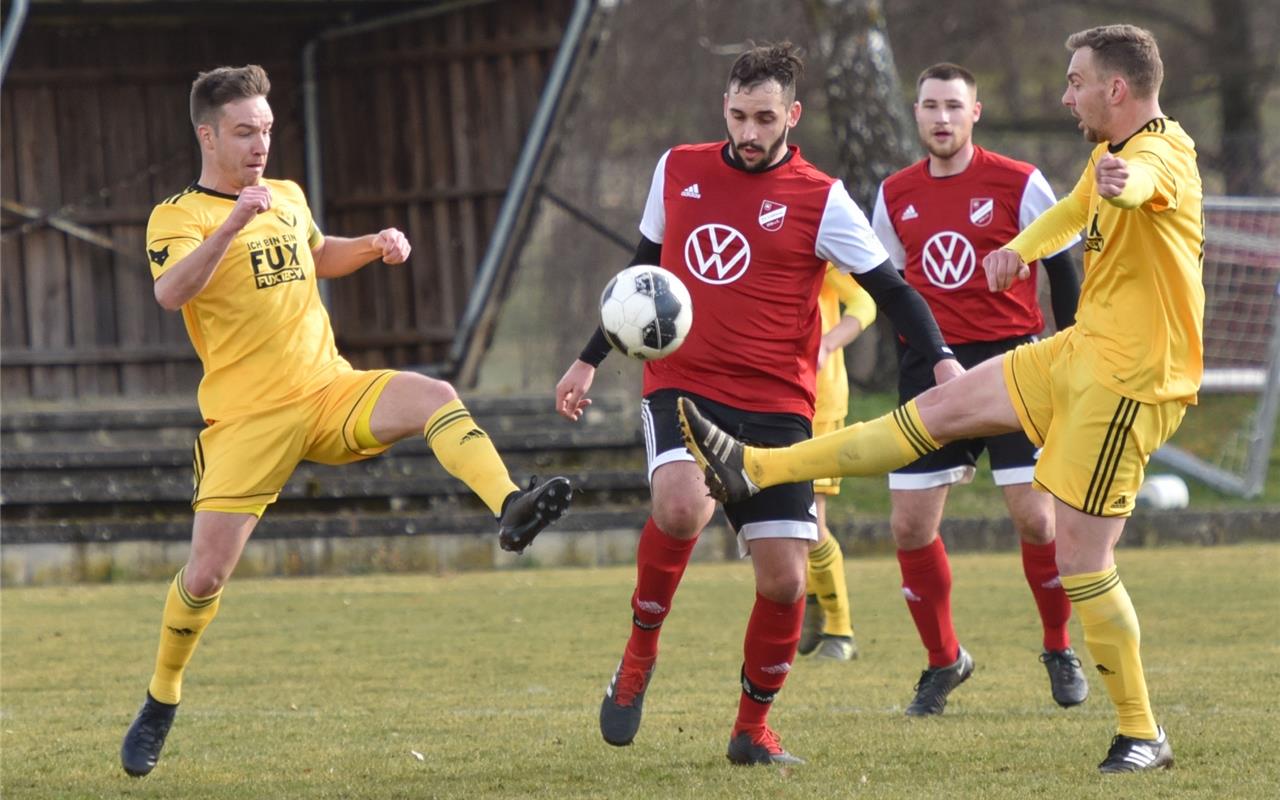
[
  {"x": 214, "y": 89},
  {"x": 1128, "y": 50}
]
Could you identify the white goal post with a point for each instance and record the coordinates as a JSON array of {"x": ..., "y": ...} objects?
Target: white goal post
[{"x": 1241, "y": 339}]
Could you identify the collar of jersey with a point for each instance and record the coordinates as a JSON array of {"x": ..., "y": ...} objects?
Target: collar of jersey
[
  {"x": 204, "y": 190},
  {"x": 1118, "y": 146},
  {"x": 792, "y": 149}
]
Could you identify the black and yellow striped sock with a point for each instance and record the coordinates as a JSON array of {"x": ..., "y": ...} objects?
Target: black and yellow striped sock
[
  {"x": 1112, "y": 634},
  {"x": 826, "y": 580},
  {"x": 862, "y": 449},
  {"x": 468, "y": 454},
  {"x": 185, "y": 618}
]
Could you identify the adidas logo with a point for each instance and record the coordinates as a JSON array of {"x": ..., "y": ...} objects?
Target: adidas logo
[
  {"x": 650, "y": 606},
  {"x": 692, "y": 191},
  {"x": 474, "y": 433},
  {"x": 1103, "y": 670},
  {"x": 910, "y": 213},
  {"x": 1120, "y": 501},
  {"x": 184, "y": 632},
  {"x": 777, "y": 669},
  {"x": 910, "y": 595}
]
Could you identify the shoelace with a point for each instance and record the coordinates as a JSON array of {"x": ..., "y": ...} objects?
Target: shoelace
[
  {"x": 1061, "y": 663},
  {"x": 631, "y": 682},
  {"x": 768, "y": 740}
]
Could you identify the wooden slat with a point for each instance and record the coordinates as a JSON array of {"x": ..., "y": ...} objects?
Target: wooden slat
[
  {"x": 136, "y": 354},
  {"x": 13, "y": 308},
  {"x": 44, "y": 257}
]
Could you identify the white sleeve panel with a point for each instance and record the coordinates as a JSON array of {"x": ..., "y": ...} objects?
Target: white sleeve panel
[
  {"x": 883, "y": 227},
  {"x": 1038, "y": 198},
  {"x": 845, "y": 237},
  {"x": 654, "y": 223}
]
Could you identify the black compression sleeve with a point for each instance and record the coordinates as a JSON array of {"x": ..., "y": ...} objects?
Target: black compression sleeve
[
  {"x": 907, "y": 310},
  {"x": 647, "y": 252},
  {"x": 1064, "y": 288}
]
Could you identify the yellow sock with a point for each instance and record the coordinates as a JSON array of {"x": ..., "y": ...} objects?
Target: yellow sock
[
  {"x": 862, "y": 449},
  {"x": 826, "y": 580},
  {"x": 1112, "y": 635},
  {"x": 185, "y": 618},
  {"x": 467, "y": 453}
]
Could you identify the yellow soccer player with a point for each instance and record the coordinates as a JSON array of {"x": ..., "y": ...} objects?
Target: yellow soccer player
[
  {"x": 1098, "y": 397},
  {"x": 240, "y": 255},
  {"x": 828, "y": 628}
]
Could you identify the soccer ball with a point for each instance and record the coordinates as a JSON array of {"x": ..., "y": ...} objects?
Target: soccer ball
[{"x": 646, "y": 312}]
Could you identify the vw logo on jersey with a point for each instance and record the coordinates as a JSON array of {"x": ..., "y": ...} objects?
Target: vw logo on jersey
[
  {"x": 717, "y": 253},
  {"x": 948, "y": 260}
]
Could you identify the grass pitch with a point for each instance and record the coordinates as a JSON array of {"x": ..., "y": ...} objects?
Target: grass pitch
[{"x": 488, "y": 685}]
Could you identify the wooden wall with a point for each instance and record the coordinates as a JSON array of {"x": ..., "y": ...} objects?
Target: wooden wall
[{"x": 421, "y": 126}]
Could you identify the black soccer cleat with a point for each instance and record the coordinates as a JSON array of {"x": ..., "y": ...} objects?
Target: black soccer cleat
[
  {"x": 1066, "y": 678},
  {"x": 623, "y": 704},
  {"x": 936, "y": 683},
  {"x": 145, "y": 737},
  {"x": 527, "y": 511},
  {"x": 811, "y": 628},
  {"x": 759, "y": 747},
  {"x": 717, "y": 453},
  {"x": 1135, "y": 755}
]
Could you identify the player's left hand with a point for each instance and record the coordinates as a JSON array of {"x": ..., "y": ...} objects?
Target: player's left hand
[
  {"x": 946, "y": 369},
  {"x": 1111, "y": 174},
  {"x": 392, "y": 245}
]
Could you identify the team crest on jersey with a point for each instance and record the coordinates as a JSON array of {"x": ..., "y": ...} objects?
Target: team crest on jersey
[
  {"x": 717, "y": 254},
  {"x": 948, "y": 260},
  {"x": 772, "y": 215},
  {"x": 981, "y": 211}
]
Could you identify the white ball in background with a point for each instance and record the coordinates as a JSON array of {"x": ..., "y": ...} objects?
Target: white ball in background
[{"x": 1163, "y": 492}]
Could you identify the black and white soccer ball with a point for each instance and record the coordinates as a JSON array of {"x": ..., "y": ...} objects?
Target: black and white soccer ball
[{"x": 646, "y": 312}]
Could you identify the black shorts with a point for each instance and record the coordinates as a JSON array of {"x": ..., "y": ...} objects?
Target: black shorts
[
  {"x": 1013, "y": 456},
  {"x": 784, "y": 511}
]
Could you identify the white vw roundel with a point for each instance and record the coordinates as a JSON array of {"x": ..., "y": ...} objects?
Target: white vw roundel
[
  {"x": 717, "y": 254},
  {"x": 948, "y": 260}
]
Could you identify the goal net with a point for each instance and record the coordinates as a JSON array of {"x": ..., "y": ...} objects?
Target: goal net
[{"x": 1226, "y": 441}]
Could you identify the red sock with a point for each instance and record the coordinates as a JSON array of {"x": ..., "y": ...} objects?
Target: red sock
[
  {"x": 926, "y": 584},
  {"x": 1040, "y": 565},
  {"x": 660, "y": 563},
  {"x": 769, "y": 648}
]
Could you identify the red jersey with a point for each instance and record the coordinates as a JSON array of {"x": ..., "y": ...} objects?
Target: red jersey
[
  {"x": 752, "y": 248},
  {"x": 938, "y": 230}
]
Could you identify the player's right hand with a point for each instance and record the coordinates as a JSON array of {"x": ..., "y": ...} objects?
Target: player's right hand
[
  {"x": 253, "y": 200},
  {"x": 1004, "y": 268},
  {"x": 571, "y": 391}
]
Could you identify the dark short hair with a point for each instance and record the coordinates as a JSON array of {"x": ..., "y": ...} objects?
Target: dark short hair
[
  {"x": 779, "y": 62},
  {"x": 946, "y": 71},
  {"x": 1126, "y": 49},
  {"x": 214, "y": 89}
]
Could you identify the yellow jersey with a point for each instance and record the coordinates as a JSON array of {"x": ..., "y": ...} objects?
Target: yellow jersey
[
  {"x": 261, "y": 332},
  {"x": 1141, "y": 313},
  {"x": 838, "y": 288}
]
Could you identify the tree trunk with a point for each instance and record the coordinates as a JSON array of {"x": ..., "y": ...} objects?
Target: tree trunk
[
  {"x": 874, "y": 133},
  {"x": 875, "y": 136},
  {"x": 1240, "y": 94}
]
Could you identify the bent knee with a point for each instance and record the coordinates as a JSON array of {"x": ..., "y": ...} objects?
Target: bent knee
[
  {"x": 783, "y": 587},
  {"x": 204, "y": 582}
]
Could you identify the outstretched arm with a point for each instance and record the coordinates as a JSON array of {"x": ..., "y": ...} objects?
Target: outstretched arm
[
  {"x": 336, "y": 256},
  {"x": 571, "y": 390},
  {"x": 911, "y": 316}
]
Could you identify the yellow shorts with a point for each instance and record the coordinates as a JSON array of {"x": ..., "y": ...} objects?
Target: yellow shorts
[
  {"x": 828, "y": 486},
  {"x": 1095, "y": 442},
  {"x": 241, "y": 464}
]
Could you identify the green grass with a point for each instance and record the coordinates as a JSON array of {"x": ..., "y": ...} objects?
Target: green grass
[
  {"x": 324, "y": 687},
  {"x": 1217, "y": 419}
]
